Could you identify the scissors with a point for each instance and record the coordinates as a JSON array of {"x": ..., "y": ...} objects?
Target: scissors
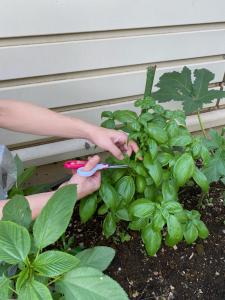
[{"x": 79, "y": 166}]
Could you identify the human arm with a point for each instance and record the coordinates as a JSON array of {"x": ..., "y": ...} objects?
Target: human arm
[
  {"x": 29, "y": 118},
  {"x": 85, "y": 186}
]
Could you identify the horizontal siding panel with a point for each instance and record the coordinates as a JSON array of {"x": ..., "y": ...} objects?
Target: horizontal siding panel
[
  {"x": 55, "y": 58},
  {"x": 97, "y": 88},
  {"x": 43, "y": 17}
]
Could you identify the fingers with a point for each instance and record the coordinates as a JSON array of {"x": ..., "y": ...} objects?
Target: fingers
[
  {"x": 115, "y": 150},
  {"x": 92, "y": 162}
]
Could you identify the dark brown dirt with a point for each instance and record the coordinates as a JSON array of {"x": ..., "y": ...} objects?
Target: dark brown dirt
[{"x": 182, "y": 272}]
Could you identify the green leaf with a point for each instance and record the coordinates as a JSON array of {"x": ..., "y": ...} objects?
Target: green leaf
[
  {"x": 117, "y": 174},
  {"x": 28, "y": 173},
  {"x": 138, "y": 168},
  {"x": 164, "y": 158},
  {"x": 18, "y": 211},
  {"x": 54, "y": 263},
  {"x": 156, "y": 173},
  {"x": 142, "y": 208},
  {"x": 175, "y": 230},
  {"x": 88, "y": 283},
  {"x": 153, "y": 148},
  {"x": 109, "y": 195},
  {"x": 169, "y": 191},
  {"x": 110, "y": 124},
  {"x": 126, "y": 188},
  {"x": 14, "y": 242},
  {"x": 152, "y": 239},
  {"x": 184, "y": 169},
  {"x": 150, "y": 193},
  {"x": 172, "y": 207},
  {"x": 138, "y": 223},
  {"x": 140, "y": 184},
  {"x": 5, "y": 292},
  {"x": 125, "y": 116},
  {"x": 158, "y": 221},
  {"x": 109, "y": 225},
  {"x": 201, "y": 180},
  {"x": 157, "y": 133},
  {"x": 22, "y": 279},
  {"x": 181, "y": 141},
  {"x": 106, "y": 114},
  {"x": 55, "y": 216},
  {"x": 87, "y": 207},
  {"x": 103, "y": 209},
  {"x": 149, "y": 81},
  {"x": 34, "y": 290},
  {"x": 190, "y": 233},
  {"x": 179, "y": 87},
  {"x": 145, "y": 104},
  {"x": 99, "y": 257},
  {"x": 216, "y": 167},
  {"x": 123, "y": 214},
  {"x": 202, "y": 230}
]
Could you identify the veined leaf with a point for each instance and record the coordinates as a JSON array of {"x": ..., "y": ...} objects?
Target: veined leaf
[
  {"x": 14, "y": 242},
  {"x": 142, "y": 208},
  {"x": 5, "y": 291},
  {"x": 89, "y": 283},
  {"x": 87, "y": 207},
  {"x": 126, "y": 188},
  {"x": 178, "y": 86},
  {"x": 152, "y": 239},
  {"x": 34, "y": 290},
  {"x": 18, "y": 211},
  {"x": 184, "y": 169},
  {"x": 55, "y": 216},
  {"x": 53, "y": 263}
]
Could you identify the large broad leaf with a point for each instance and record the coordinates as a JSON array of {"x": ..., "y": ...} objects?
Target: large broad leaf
[
  {"x": 34, "y": 290},
  {"x": 90, "y": 284},
  {"x": 178, "y": 86},
  {"x": 174, "y": 228},
  {"x": 216, "y": 167},
  {"x": 53, "y": 263},
  {"x": 99, "y": 257},
  {"x": 14, "y": 242},
  {"x": 18, "y": 211},
  {"x": 5, "y": 291},
  {"x": 126, "y": 188},
  {"x": 201, "y": 180},
  {"x": 54, "y": 217},
  {"x": 190, "y": 233}
]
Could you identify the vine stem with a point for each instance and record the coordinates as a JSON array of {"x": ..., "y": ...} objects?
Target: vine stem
[{"x": 201, "y": 124}]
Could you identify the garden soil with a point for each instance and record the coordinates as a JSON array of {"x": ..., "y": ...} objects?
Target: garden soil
[{"x": 183, "y": 272}]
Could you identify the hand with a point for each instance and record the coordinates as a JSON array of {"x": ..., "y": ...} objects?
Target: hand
[
  {"x": 87, "y": 185},
  {"x": 113, "y": 141}
]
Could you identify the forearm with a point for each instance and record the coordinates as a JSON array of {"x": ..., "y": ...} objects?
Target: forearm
[
  {"x": 36, "y": 202},
  {"x": 29, "y": 118}
]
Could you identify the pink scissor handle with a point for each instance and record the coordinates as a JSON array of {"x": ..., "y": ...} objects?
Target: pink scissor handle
[{"x": 75, "y": 164}]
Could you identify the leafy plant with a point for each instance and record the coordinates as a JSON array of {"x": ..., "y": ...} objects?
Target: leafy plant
[
  {"x": 178, "y": 86},
  {"x": 215, "y": 169},
  {"x": 29, "y": 272},
  {"x": 146, "y": 194},
  {"x": 23, "y": 175}
]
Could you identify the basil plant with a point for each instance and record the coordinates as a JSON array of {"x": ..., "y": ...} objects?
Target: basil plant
[{"x": 146, "y": 194}]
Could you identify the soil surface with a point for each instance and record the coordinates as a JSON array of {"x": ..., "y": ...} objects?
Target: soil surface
[{"x": 182, "y": 272}]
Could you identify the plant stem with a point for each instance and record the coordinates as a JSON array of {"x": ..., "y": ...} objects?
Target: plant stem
[
  {"x": 54, "y": 280},
  {"x": 201, "y": 124}
]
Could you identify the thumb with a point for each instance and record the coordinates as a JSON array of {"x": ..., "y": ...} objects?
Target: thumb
[{"x": 92, "y": 162}]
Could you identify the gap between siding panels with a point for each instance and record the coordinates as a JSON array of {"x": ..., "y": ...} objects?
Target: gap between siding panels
[{"x": 18, "y": 41}]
